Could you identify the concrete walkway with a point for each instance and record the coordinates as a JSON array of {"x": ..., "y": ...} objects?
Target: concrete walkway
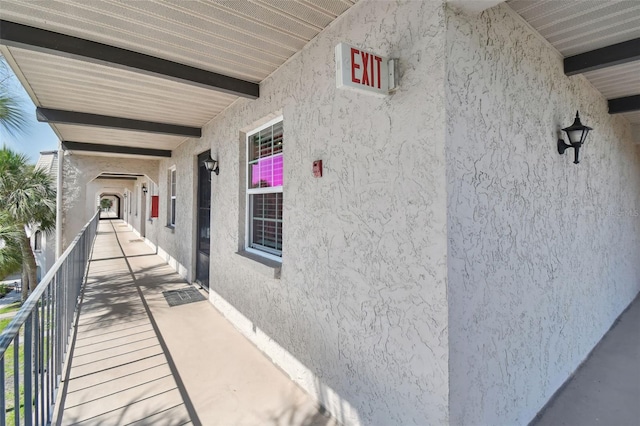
[
  {"x": 136, "y": 360},
  {"x": 606, "y": 388},
  {"x": 10, "y": 298},
  {"x": 13, "y": 296}
]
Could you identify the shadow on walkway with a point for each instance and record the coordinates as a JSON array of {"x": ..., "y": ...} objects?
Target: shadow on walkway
[{"x": 136, "y": 360}]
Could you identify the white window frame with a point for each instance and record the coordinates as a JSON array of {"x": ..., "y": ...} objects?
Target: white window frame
[
  {"x": 37, "y": 241},
  {"x": 172, "y": 211},
  {"x": 252, "y": 191}
]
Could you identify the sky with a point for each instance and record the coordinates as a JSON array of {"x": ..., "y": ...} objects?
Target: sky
[{"x": 37, "y": 136}]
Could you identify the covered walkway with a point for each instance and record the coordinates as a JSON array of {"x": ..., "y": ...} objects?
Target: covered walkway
[
  {"x": 136, "y": 360},
  {"x": 605, "y": 390}
]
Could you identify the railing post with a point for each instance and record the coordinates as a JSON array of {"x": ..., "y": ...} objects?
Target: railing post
[
  {"x": 36, "y": 363},
  {"x": 58, "y": 328},
  {"x": 41, "y": 367},
  {"x": 3, "y": 410},
  {"x": 28, "y": 371},
  {"x": 16, "y": 381},
  {"x": 49, "y": 359}
]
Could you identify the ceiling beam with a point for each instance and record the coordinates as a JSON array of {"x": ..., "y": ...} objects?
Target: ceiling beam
[
  {"x": 616, "y": 54},
  {"x": 48, "y": 115},
  {"x": 115, "y": 149},
  {"x": 37, "y": 39},
  {"x": 626, "y": 104}
]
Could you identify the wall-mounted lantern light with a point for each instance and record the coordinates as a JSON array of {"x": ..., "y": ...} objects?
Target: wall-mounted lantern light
[
  {"x": 144, "y": 189},
  {"x": 212, "y": 166},
  {"x": 577, "y": 134}
]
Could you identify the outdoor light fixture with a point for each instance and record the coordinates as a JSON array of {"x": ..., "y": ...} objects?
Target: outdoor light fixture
[
  {"x": 144, "y": 188},
  {"x": 577, "y": 134},
  {"x": 211, "y": 165}
]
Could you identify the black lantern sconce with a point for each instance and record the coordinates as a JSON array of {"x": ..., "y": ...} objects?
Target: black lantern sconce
[
  {"x": 212, "y": 166},
  {"x": 577, "y": 134},
  {"x": 144, "y": 189}
]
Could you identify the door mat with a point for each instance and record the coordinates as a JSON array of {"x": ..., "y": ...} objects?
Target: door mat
[{"x": 183, "y": 296}]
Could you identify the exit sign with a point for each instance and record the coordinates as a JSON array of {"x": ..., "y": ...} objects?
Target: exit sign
[{"x": 363, "y": 70}]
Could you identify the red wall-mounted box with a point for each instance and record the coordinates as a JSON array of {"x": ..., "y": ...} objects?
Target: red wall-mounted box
[{"x": 155, "y": 202}]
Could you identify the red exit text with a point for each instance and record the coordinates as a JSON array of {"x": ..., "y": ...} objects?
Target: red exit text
[{"x": 366, "y": 68}]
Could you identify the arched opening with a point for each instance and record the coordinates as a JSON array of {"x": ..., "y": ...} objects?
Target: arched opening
[{"x": 110, "y": 206}]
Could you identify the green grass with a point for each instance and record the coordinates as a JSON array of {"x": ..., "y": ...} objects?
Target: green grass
[
  {"x": 10, "y": 308},
  {"x": 9, "y": 365},
  {"x": 4, "y": 322},
  {"x": 10, "y": 406},
  {"x": 9, "y": 391}
]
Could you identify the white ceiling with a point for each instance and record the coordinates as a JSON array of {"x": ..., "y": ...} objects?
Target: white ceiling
[
  {"x": 579, "y": 26},
  {"x": 243, "y": 39},
  {"x": 74, "y": 85}
]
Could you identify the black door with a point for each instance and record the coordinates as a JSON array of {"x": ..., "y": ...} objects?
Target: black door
[{"x": 203, "y": 242}]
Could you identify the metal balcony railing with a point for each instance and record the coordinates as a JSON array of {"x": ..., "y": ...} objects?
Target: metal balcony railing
[{"x": 34, "y": 344}]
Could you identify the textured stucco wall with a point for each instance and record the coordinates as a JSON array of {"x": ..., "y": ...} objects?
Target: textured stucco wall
[
  {"x": 361, "y": 301},
  {"x": 79, "y": 202},
  {"x": 177, "y": 245},
  {"x": 543, "y": 254},
  {"x": 111, "y": 186},
  {"x": 138, "y": 206}
]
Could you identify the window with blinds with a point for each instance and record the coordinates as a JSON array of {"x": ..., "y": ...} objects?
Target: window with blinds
[{"x": 264, "y": 189}]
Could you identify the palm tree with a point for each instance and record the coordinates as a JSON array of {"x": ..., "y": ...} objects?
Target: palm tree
[
  {"x": 12, "y": 118},
  {"x": 27, "y": 200},
  {"x": 10, "y": 256}
]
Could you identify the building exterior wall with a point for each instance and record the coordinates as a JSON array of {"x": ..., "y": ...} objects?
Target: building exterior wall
[
  {"x": 177, "y": 244},
  {"x": 361, "y": 300},
  {"x": 80, "y": 189},
  {"x": 136, "y": 211},
  {"x": 45, "y": 256},
  {"x": 115, "y": 199},
  {"x": 97, "y": 187},
  {"x": 449, "y": 267},
  {"x": 543, "y": 254}
]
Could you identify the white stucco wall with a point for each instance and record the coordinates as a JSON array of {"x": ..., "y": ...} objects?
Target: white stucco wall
[
  {"x": 79, "y": 192},
  {"x": 136, "y": 215},
  {"x": 45, "y": 257},
  {"x": 450, "y": 266},
  {"x": 100, "y": 186},
  {"x": 361, "y": 301},
  {"x": 543, "y": 254},
  {"x": 176, "y": 245}
]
